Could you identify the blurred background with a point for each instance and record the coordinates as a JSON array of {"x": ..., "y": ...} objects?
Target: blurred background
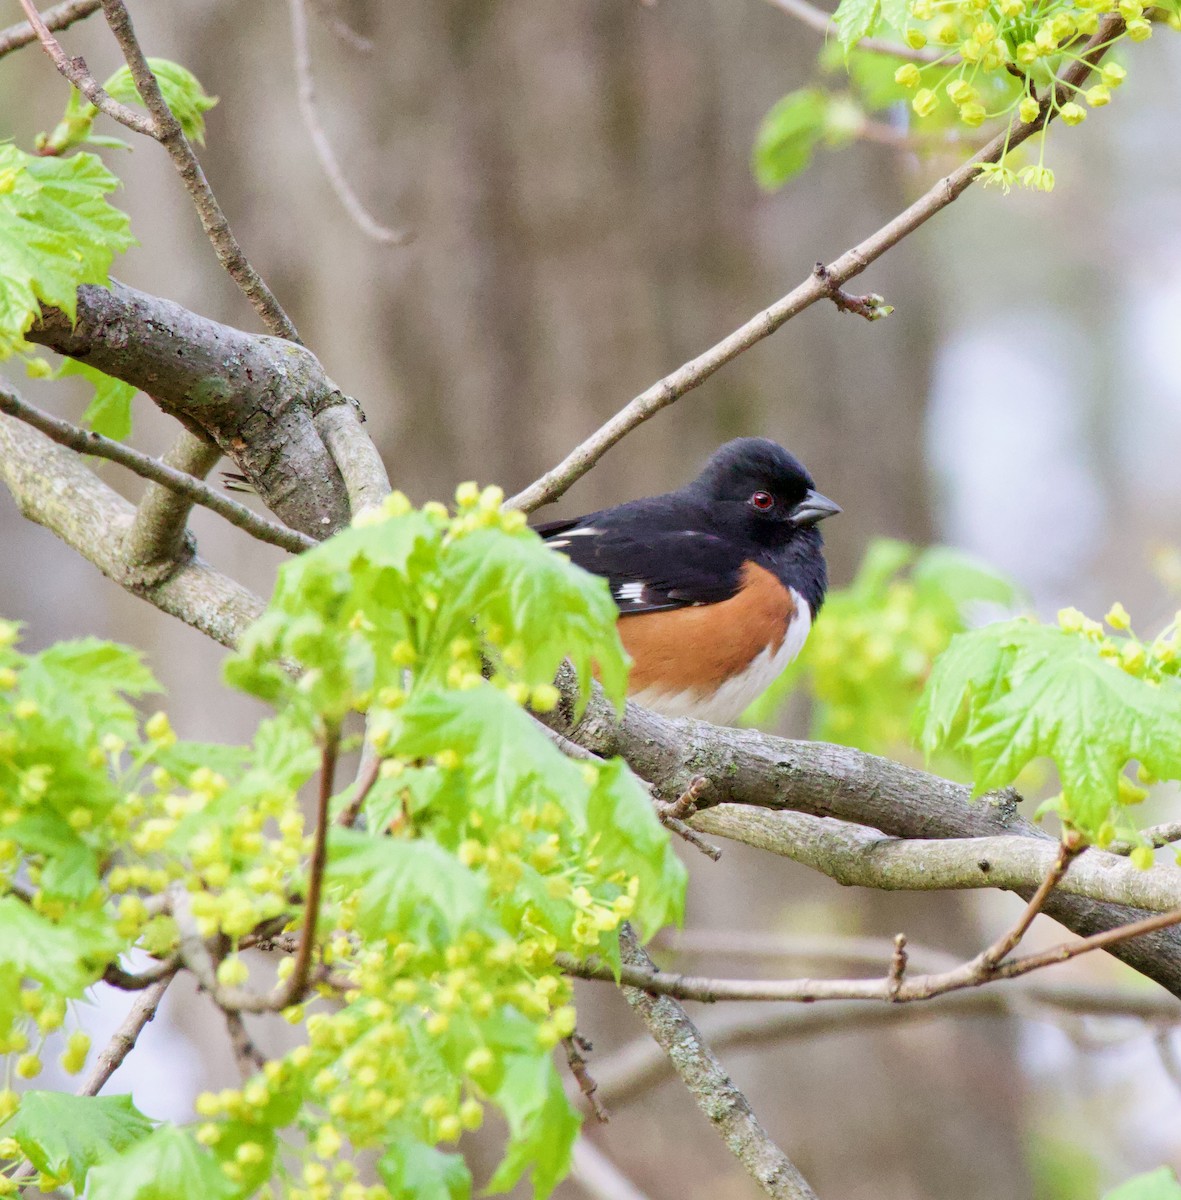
[{"x": 576, "y": 177}]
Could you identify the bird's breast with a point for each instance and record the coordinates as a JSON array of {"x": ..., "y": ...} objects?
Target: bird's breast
[{"x": 711, "y": 661}]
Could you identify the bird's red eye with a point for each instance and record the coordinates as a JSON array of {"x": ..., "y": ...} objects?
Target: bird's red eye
[{"x": 763, "y": 501}]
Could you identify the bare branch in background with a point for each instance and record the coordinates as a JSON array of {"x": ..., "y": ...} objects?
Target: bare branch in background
[
  {"x": 576, "y": 1059},
  {"x": 58, "y": 17},
  {"x": 1156, "y": 836},
  {"x": 692, "y": 374},
  {"x": 358, "y": 213},
  {"x": 714, "y": 1091},
  {"x": 85, "y": 441},
  {"x": 598, "y": 1176},
  {"x": 641, "y": 1064},
  {"x": 341, "y": 28},
  {"x": 247, "y": 1055}
]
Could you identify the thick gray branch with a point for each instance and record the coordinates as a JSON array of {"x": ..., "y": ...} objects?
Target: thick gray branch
[
  {"x": 859, "y": 856},
  {"x": 54, "y": 487},
  {"x": 744, "y": 766},
  {"x": 257, "y": 397}
]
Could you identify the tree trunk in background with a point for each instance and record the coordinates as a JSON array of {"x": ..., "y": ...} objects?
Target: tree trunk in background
[{"x": 576, "y": 175}]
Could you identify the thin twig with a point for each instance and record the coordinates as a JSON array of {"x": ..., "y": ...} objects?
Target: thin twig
[
  {"x": 685, "y": 804},
  {"x": 299, "y": 980},
  {"x": 692, "y": 374},
  {"x": 367, "y": 776},
  {"x": 85, "y": 441},
  {"x": 246, "y": 1054},
  {"x": 77, "y": 72},
  {"x": 639, "y": 1065},
  {"x": 898, "y": 960},
  {"x": 342, "y": 29},
  {"x": 165, "y": 128},
  {"x": 688, "y": 833},
  {"x": 871, "y": 306},
  {"x": 125, "y": 981},
  {"x": 195, "y": 953},
  {"x": 358, "y": 213},
  {"x": 921, "y": 987},
  {"x": 1156, "y": 836},
  {"x": 1068, "y": 851},
  {"x": 58, "y": 17},
  {"x": 818, "y": 19},
  {"x": 586, "y": 1084},
  {"x": 124, "y": 1038},
  {"x": 711, "y": 1087}
]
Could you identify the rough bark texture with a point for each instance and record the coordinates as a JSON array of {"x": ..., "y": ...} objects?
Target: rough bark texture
[{"x": 256, "y": 397}]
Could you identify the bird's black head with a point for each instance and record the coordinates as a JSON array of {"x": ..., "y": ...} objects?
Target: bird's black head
[
  {"x": 755, "y": 486},
  {"x": 757, "y": 483}
]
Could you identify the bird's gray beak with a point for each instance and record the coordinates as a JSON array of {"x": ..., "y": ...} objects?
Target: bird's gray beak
[{"x": 812, "y": 508}]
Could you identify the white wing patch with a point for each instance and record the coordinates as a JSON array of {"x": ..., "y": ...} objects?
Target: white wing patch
[
  {"x": 558, "y": 543},
  {"x": 730, "y": 701}
]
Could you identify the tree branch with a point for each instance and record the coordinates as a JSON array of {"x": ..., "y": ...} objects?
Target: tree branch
[
  {"x": 58, "y": 17},
  {"x": 125, "y": 1037},
  {"x": 855, "y": 855},
  {"x": 159, "y": 536},
  {"x": 85, "y": 441},
  {"x": 76, "y": 71},
  {"x": 974, "y": 973},
  {"x": 714, "y": 1091},
  {"x": 53, "y": 487},
  {"x": 750, "y": 768},
  {"x": 695, "y": 372},
  {"x": 257, "y": 397},
  {"x": 166, "y": 129},
  {"x": 641, "y": 1064}
]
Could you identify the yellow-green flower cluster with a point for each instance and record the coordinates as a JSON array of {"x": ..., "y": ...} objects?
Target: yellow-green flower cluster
[{"x": 1001, "y": 60}]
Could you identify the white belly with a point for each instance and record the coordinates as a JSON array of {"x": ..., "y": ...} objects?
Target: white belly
[{"x": 732, "y": 699}]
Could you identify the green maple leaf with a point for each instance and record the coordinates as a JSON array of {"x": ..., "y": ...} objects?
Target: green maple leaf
[
  {"x": 163, "y": 1166},
  {"x": 57, "y": 231},
  {"x": 1016, "y": 691},
  {"x": 64, "y": 1134}
]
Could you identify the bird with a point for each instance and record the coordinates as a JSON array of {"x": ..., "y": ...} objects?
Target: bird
[{"x": 717, "y": 584}]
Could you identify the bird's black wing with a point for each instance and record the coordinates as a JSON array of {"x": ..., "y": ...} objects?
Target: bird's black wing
[{"x": 648, "y": 567}]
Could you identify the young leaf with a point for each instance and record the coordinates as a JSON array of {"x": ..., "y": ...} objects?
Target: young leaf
[
  {"x": 787, "y": 136},
  {"x": 109, "y": 412},
  {"x": 162, "y": 1166},
  {"x": 56, "y": 232},
  {"x": 854, "y": 19},
  {"x": 542, "y": 1125},
  {"x": 181, "y": 89},
  {"x": 415, "y": 1171},
  {"x": 66, "y": 1135},
  {"x": 1015, "y": 691}
]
